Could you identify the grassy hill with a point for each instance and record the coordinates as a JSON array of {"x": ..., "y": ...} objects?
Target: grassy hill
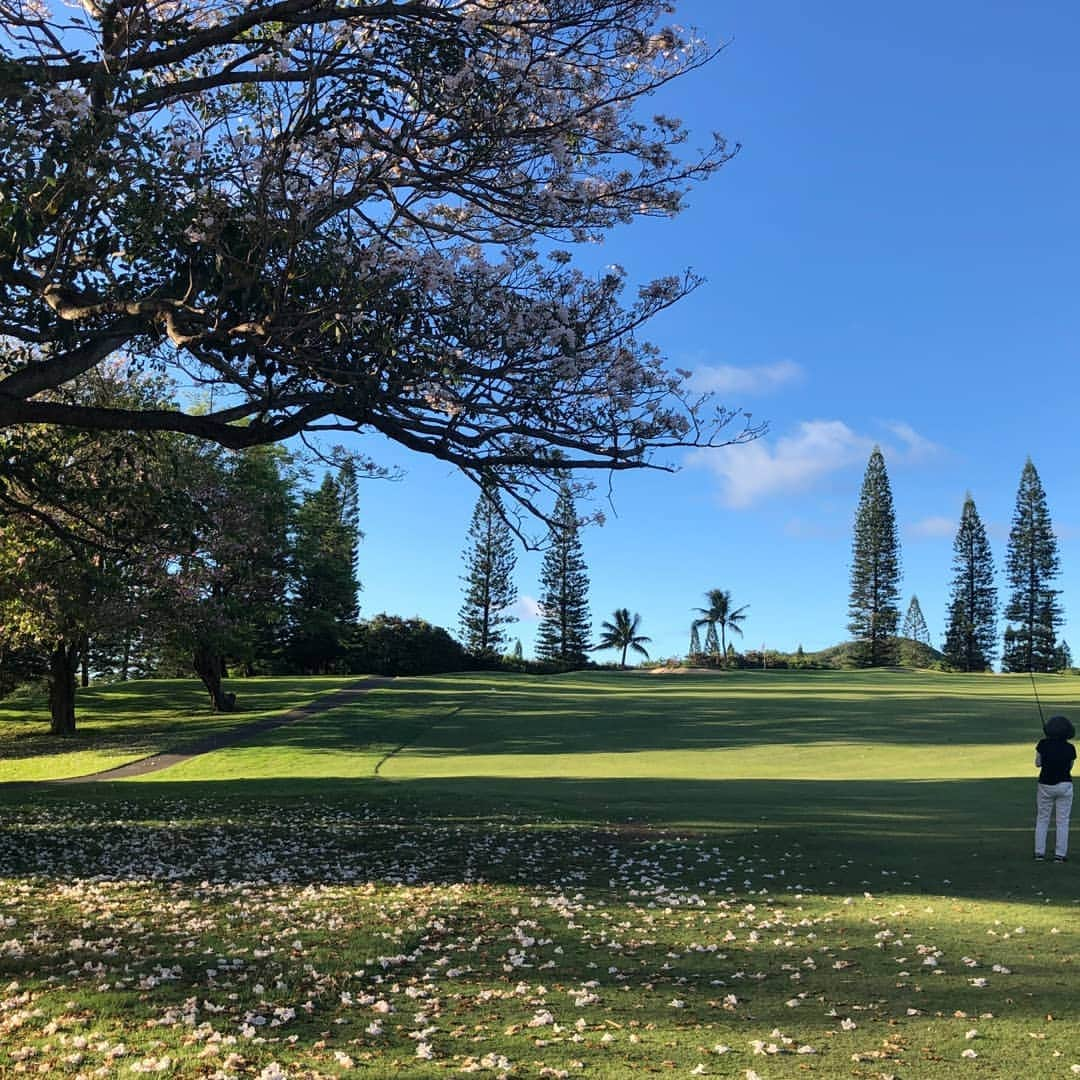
[{"x": 913, "y": 654}]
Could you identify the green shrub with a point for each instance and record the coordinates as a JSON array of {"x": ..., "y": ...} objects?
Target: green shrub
[{"x": 391, "y": 645}]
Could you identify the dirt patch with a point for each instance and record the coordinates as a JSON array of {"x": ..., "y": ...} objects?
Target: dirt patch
[{"x": 685, "y": 671}]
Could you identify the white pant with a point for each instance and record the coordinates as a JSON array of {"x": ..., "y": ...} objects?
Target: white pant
[{"x": 1056, "y": 797}]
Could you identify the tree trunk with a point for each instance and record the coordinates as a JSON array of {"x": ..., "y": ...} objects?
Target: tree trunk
[
  {"x": 210, "y": 667},
  {"x": 62, "y": 665},
  {"x": 84, "y": 662}
]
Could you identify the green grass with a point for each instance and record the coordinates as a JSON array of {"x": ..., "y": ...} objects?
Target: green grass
[
  {"x": 123, "y": 722},
  {"x": 597, "y": 875}
]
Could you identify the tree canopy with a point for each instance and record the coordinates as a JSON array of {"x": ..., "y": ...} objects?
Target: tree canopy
[
  {"x": 875, "y": 569},
  {"x": 971, "y": 633},
  {"x": 622, "y": 633},
  {"x": 489, "y": 583},
  {"x": 563, "y": 634},
  {"x": 720, "y": 614},
  {"x": 1031, "y": 565},
  {"x": 915, "y": 626},
  {"x": 345, "y": 217}
]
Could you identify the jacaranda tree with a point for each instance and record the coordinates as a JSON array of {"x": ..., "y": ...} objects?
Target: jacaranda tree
[{"x": 324, "y": 214}]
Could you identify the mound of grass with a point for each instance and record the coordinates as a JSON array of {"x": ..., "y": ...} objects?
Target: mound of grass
[{"x": 911, "y": 654}]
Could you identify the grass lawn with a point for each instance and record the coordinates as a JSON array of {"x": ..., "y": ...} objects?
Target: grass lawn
[
  {"x": 126, "y": 721},
  {"x": 769, "y": 874}
]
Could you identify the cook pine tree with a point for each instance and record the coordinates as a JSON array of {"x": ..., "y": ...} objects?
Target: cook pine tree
[
  {"x": 971, "y": 633},
  {"x": 489, "y": 587},
  {"x": 1062, "y": 656},
  {"x": 1033, "y": 612},
  {"x": 563, "y": 635},
  {"x": 324, "y": 604},
  {"x": 915, "y": 627},
  {"x": 875, "y": 570}
]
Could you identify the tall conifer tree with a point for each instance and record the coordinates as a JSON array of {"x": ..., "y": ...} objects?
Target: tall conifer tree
[
  {"x": 875, "y": 570},
  {"x": 915, "y": 626},
  {"x": 563, "y": 635},
  {"x": 324, "y": 604},
  {"x": 971, "y": 633},
  {"x": 1031, "y": 565},
  {"x": 489, "y": 587},
  {"x": 1062, "y": 656}
]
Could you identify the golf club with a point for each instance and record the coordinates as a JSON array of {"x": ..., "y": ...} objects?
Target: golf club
[{"x": 1035, "y": 690}]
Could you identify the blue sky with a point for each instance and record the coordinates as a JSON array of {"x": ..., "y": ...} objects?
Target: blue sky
[{"x": 892, "y": 258}]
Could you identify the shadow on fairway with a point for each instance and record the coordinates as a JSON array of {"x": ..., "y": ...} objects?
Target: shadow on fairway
[
  {"x": 147, "y": 716},
  {"x": 504, "y": 715},
  {"x": 960, "y": 838}
]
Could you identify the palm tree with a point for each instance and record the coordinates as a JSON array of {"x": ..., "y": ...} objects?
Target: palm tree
[
  {"x": 719, "y": 613},
  {"x": 623, "y": 634}
]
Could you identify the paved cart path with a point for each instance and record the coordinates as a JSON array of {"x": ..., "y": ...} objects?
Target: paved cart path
[{"x": 241, "y": 733}]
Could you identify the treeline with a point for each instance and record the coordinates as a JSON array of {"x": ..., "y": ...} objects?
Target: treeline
[
  {"x": 1032, "y": 612},
  {"x": 132, "y": 555},
  {"x": 563, "y": 633}
]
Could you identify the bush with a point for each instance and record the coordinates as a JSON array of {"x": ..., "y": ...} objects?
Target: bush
[{"x": 391, "y": 645}]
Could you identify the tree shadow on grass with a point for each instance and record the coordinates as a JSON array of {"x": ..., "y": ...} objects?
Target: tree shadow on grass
[
  {"x": 502, "y": 714},
  {"x": 508, "y": 715},
  {"x": 961, "y": 838},
  {"x": 148, "y": 716}
]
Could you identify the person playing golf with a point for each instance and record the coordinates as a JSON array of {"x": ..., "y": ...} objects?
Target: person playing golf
[{"x": 1054, "y": 757}]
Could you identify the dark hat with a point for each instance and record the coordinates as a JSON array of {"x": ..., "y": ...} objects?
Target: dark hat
[{"x": 1059, "y": 727}]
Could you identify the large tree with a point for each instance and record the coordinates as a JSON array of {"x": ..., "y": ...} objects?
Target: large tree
[
  {"x": 84, "y": 520},
  {"x": 224, "y": 601},
  {"x": 875, "y": 569},
  {"x": 563, "y": 634},
  {"x": 720, "y": 613},
  {"x": 324, "y": 214},
  {"x": 971, "y": 633},
  {"x": 324, "y": 604},
  {"x": 489, "y": 584},
  {"x": 1031, "y": 565}
]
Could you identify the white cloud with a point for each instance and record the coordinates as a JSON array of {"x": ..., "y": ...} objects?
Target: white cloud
[
  {"x": 525, "y": 609},
  {"x": 914, "y": 447},
  {"x": 934, "y": 527},
  {"x": 792, "y": 463},
  {"x": 729, "y": 379}
]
